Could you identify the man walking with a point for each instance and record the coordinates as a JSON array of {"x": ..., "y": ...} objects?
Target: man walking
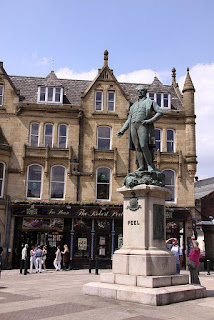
[
  {"x": 38, "y": 257},
  {"x": 24, "y": 260}
]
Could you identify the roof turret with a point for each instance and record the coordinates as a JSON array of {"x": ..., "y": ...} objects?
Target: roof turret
[{"x": 188, "y": 85}]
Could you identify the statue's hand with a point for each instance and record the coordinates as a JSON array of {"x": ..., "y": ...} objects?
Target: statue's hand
[
  {"x": 119, "y": 134},
  {"x": 146, "y": 122}
]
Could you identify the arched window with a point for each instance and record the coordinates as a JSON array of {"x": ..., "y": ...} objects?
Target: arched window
[
  {"x": 103, "y": 184},
  {"x": 2, "y": 179},
  {"x": 170, "y": 184},
  {"x": 170, "y": 137},
  {"x": 34, "y": 181},
  {"x": 48, "y": 135},
  {"x": 34, "y": 134},
  {"x": 104, "y": 137},
  {"x": 57, "y": 182},
  {"x": 157, "y": 139},
  {"x": 62, "y": 136}
]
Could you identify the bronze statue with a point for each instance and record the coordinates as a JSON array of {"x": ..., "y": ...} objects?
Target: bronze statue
[
  {"x": 142, "y": 133},
  {"x": 143, "y": 113}
]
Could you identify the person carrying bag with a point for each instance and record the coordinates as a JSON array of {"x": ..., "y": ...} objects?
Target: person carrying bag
[{"x": 193, "y": 262}]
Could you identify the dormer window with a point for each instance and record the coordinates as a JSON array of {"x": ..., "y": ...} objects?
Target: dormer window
[
  {"x": 162, "y": 99},
  {"x": 111, "y": 101},
  {"x": 50, "y": 95},
  {"x": 98, "y": 101},
  {"x": 1, "y": 94}
]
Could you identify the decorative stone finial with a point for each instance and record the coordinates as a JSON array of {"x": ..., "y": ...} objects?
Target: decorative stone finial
[
  {"x": 188, "y": 85},
  {"x": 105, "y": 57},
  {"x": 173, "y": 76}
]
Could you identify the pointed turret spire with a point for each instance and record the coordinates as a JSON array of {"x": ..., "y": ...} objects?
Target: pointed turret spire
[
  {"x": 188, "y": 85},
  {"x": 105, "y": 58}
]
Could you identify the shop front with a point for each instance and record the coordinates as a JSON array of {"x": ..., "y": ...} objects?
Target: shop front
[{"x": 89, "y": 231}]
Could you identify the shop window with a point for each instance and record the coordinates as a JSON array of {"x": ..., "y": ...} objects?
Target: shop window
[
  {"x": 2, "y": 179},
  {"x": 157, "y": 139},
  {"x": 57, "y": 182},
  {"x": 62, "y": 136},
  {"x": 111, "y": 101},
  {"x": 170, "y": 136},
  {"x": 34, "y": 134},
  {"x": 50, "y": 95},
  {"x": 98, "y": 101},
  {"x": 162, "y": 99},
  {"x": 103, "y": 184},
  {"x": 170, "y": 184},
  {"x": 48, "y": 135},
  {"x": 1, "y": 94},
  {"x": 104, "y": 138},
  {"x": 34, "y": 181}
]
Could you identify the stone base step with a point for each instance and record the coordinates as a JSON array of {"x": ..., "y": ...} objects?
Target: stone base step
[
  {"x": 150, "y": 296},
  {"x": 145, "y": 281}
]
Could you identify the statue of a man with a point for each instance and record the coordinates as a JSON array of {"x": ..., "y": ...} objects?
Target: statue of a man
[{"x": 143, "y": 113}]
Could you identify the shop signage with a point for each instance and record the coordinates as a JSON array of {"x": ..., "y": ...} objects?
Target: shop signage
[
  {"x": 74, "y": 212},
  {"x": 51, "y": 224}
]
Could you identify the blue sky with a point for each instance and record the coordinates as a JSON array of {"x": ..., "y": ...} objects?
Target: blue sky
[{"x": 141, "y": 36}]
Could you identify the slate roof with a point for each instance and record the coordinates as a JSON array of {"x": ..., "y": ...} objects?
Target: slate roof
[
  {"x": 204, "y": 187},
  {"x": 73, "y": 89}
]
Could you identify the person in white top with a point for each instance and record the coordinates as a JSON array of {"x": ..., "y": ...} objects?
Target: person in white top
[
  {"x": 172, "y": 244},
  {"x": 32, "y": 259},
  {"x": 57, "y": 261},
  {"x": 24, "y": 260}
]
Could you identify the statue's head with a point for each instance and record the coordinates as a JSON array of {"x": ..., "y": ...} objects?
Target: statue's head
[{"x": 142, "y": 91}]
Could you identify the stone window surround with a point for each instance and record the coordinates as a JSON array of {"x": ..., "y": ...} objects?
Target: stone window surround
[
  {"x": 46, "y": 95},
  {"x": 2, "y": 95},
  {"x": 162, "y": 99},
  {"x": 164, "y": 139},
  {"x": 111, "y": 91},
  {"x": 3, "y": 180},
  {"x": 160, "y": 139},
  {"x": 60, "y": 136},
  {"x": 45, "y": 135},
  {"x": 109, "y": 184},
  {"x": 38, "y": 134},
  {"x": 170, "y": 141},
  {"x": 104, "y": 104},
  {"x": 28, "y": 168}
]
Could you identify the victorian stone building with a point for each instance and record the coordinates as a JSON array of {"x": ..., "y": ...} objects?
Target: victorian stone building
[{"x": 61, "y": 161}]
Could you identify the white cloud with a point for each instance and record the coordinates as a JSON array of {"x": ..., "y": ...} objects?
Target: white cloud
[
  {"x": 143, "y": 76},
  {"x": 44, "y": 61},
  {"x": 202, "y": 76},
  {"x": 66, "y": 73}
]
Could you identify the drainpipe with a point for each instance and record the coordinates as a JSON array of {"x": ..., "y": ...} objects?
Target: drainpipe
[
  {"x": 9, "y": 218},
  {"x": 78, "y": 158}
]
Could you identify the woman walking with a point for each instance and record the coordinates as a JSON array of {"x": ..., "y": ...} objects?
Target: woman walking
[
  {"x": 44, "y": 256},
  {"x": 194, "y": 262},
  {"x": 32, "y": 259},
  {"x": 57, "y": 261},
  {"x": 66, "y": 257}
]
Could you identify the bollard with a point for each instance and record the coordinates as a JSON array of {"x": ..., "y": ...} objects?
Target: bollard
[
  {"x": 90, "y": 265},
  {"x": 208, "y": 267},
  {"x": 96, "y": 265}
]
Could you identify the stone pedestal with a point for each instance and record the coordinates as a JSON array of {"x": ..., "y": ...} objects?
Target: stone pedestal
[{"x": 143, "y": 269}]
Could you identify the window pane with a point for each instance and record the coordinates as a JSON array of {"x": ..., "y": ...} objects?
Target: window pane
[
  {"x": 104, "y": 132},
  {"x": 42, "y": 93},
  {"x": 170, "y": 184},
  {"x": 1, "y": 90},
  {"x": 103, "y": 191},
  {"x": 110, "y": 106},
  {"x": 62, "y": 142},
  {"x": 165, "y": 100},
  {"x": 170, "y": 135},
  {"x": 170, "y": 141},
  {"x": 58, "y": 173},
  {"x": 63, "y": 130},
  {"x": 57, "y": 94},
  {"x": 1, "y": 185},
  {"x": 103, "y": 175},
  {"x": 99, "y": 95},
  {"x": 48, "y": 129},
  {"x": 170, "y": 197},
  {"x": 35, "y": 173},
  {"x": 34, "y": 141},
  {"x": 33, "y": 189},
  {"x": 104, "y": 144},
  {"x": 151, "y": 96},
  {"x": 35, "y": 128},
  {"x": 48, "y": 141},
  {"x": 57, "y": 190},
  {"x": 1, "y": 101},
  {"x": 98, "y": 100},
  {"x": 1, "y": 170},
  {"x": 50, "y": 94},
  {"x": 159, "y": 99}
]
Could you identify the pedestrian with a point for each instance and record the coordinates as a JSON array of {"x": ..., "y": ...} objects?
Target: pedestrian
[
  {"x": 57, "y": 260},
  {"x": 66, "y": 257},
  {"x": 24, "y": 259},
  {"x": 194, "y": 263},
  {"x": 44, "y": 256},
  {"x": 32, "y": 259},
  {"x": 172, "y": 244},
  {"x": 38, "y": 256}
]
